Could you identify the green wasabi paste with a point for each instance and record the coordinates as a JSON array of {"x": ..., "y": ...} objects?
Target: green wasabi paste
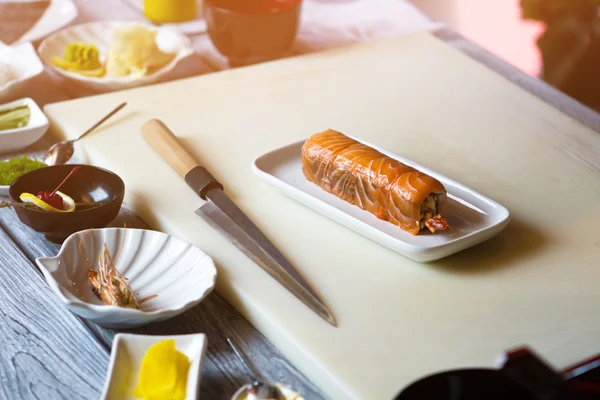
[{"x": 15, "y": 167}]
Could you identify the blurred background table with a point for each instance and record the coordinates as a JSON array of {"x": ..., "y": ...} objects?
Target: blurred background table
[
  {"x": 331, "y": 23},
  {"x": 325, "y": 24}
]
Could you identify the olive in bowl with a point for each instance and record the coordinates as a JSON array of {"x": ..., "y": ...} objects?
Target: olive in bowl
[{"x": 96, "y": 192}]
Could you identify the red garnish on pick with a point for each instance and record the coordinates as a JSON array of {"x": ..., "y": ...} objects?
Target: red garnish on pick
[{"x": 52, "y": 198}]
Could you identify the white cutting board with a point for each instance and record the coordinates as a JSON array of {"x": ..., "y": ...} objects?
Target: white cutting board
[{"x": 536, "y": 283}]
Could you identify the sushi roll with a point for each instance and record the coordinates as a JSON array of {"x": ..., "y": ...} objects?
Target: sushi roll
[{"x": 376, "y": 183}]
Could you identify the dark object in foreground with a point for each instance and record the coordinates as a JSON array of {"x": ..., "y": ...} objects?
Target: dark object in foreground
[
  {"x": 522, "y": 376},
  {"x": 89, "y": 185}
]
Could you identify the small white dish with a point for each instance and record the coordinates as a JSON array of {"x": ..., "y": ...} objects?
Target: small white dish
[
  {"x": 98, "y": 33},
  {"x": 474, "y": 218},
  {"x": 13, "y": 139},
  {"x": 24, "y": 65},
  {"x": 127, "y": 353},
  {"x": 59, "y": 13},
  {"x": 179, "y": 273}
]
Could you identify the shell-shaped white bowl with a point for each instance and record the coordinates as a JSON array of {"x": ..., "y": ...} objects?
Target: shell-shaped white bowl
[
  {"x": 153, "y": 262},
  {"x": 98, "y": 33}
]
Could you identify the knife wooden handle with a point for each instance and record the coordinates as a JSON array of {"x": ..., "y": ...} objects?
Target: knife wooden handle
[
  {"x": 168, "y": 146},
  {"x": 160, "y": 137}
]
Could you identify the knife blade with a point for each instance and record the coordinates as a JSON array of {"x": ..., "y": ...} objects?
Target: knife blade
[{"x": 225, "y": 216}]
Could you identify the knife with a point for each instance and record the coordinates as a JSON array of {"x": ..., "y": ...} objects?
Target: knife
[{"x": 223, "y": 215}]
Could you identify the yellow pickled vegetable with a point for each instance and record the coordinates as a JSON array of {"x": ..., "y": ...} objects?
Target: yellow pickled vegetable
[
  {"x": 163, "y": 374},
  {"x": 86, "y": 56},
  {"x": 96, "y": 73},
  {"x": 81, "y": 58}
]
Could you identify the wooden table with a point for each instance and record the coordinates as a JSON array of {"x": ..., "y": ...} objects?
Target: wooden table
[{"x": 47, "y": 352}]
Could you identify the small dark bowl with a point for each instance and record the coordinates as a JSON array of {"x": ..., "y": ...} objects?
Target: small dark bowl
[
  {"x": 246, "y": 37},
  {"x": 88, "y": 184},
  {"x": 466, "y": 384}
]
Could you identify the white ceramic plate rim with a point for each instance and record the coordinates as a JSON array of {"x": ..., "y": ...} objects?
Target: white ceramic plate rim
[
  {"x": 58, "y": 14},
  {"x": 121, "y": 337},
  {"x": 26, "y": 56},
  {"x": 373, "y": 231},
  {"x": 185, "y": 51},
  {"x": 124, "y": 312}
]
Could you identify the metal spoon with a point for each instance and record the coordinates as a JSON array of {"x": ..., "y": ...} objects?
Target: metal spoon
[
  {"x": 258, "y": 390},
  {"x": 62, "y": 152}
]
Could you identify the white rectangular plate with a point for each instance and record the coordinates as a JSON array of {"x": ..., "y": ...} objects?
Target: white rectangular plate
[{"x": 474, "y": 218}]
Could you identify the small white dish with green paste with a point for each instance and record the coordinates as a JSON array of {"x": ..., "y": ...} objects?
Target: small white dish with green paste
[{"x": 22, "y": 123}]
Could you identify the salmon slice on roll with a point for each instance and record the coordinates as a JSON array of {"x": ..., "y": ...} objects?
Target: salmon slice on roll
[{"x": 376, "y": 183}]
